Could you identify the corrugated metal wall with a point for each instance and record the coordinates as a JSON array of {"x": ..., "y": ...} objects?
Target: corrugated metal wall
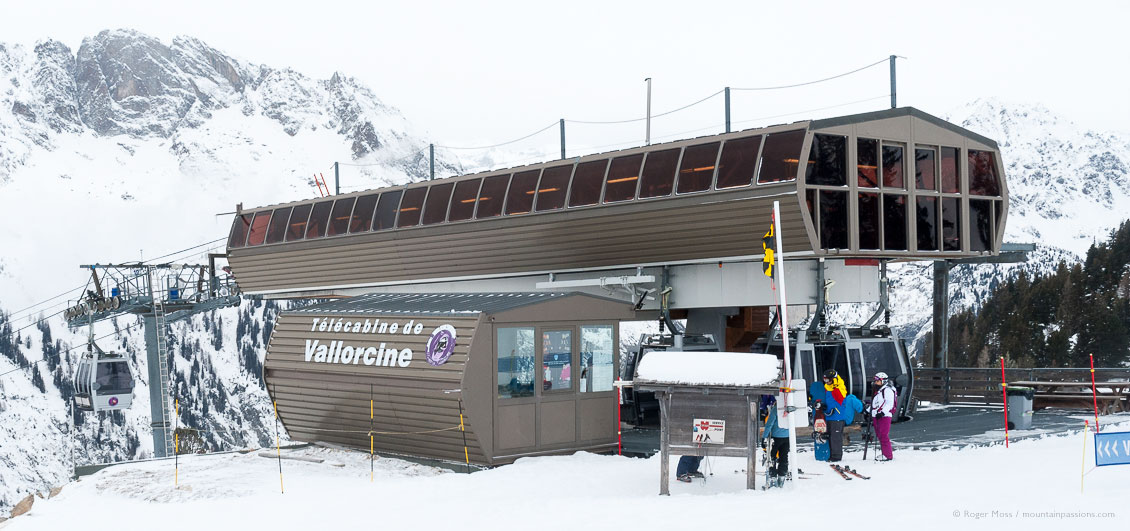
[{"x": 329, "y": 401}]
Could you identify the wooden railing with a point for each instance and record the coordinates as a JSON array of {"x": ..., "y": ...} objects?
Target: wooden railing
[{"x": 983, "y": 386}]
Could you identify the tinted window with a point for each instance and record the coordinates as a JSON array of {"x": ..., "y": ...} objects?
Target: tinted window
[
  {"x": 520, "y": 198},
  {"x": 490, "y": 197},
  {"x": 410, "y": 206},
  {"x": 924, "y": 169},
  {"x": 297, "y": 229},
  {"x": 435, "y": 210},
  {"x": 980, "y": 225},
  {"x": 316, "y": 228},
  {"x": 927, "y": 216},
  {"x": 339, "y": 216},
  {"x": 951, "y": 224},
  {"x": 386, "y": 210},
  {"x": 554, "y": 184},
  {"x": 892, "y": 167},
  {"x": 949, "y": 171},
  {"x": 277, "y": 229},
  {"x": 894, "y": 222},
  {"x": 623, "y": 176},
  {"x": 738, "y": 162},
  {"x": 780, "y": 157},
  {"x": 239, "y": 231},
  {"x": 463, "y": 201},
  {"x": 516, "y": 349},
  {"x": 868, "y": 221},
  {"x": 697, "y": 169},
  {"x": 659, "y": 173},
  {"x": 810, "y": 200},
  {"x": 258, "y": 230},
  {"x": 827, "y": 161},
  {"x": 833, "y": 220},
  {"x": 983, "y": 173},
  {"x": 867, "y": 162},
  {"x": 585, "y": 189},
  {"x": 362, "y": 220}
]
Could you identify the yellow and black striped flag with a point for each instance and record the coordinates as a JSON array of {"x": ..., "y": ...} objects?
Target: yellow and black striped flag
[{"x": 769, "y": 246}]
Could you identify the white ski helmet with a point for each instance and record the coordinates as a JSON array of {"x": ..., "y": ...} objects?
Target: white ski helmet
[{"x": 880, "y": 377}]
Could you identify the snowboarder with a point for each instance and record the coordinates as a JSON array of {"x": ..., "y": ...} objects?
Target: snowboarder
[
  {"x": 882, "y": 410},
  {"x": 836, "y": 414},
  {"x": 688, "y": 468},
  {"x": 778, "y": 439}
]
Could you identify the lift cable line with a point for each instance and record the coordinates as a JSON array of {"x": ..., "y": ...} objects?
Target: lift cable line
[
  {"x": 555, "y": 122},
  {"x": 28, "y": 366},
  {"x": 795, "y": 85},
  {"x": 672, "y": 111}
]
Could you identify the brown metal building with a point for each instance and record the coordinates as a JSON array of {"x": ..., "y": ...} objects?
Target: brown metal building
[
  {"x": 890, "y": 184},
  {"x": 531, "y": 372}
]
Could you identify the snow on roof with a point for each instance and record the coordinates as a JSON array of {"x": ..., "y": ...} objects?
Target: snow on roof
[{"x": 708, "y": 368}]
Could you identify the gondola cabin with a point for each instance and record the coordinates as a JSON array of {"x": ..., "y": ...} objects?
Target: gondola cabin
[{"x": 103, "y": 382}]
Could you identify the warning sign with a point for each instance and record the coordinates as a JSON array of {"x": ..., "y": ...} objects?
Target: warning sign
[{"x": 709, "y": 431}]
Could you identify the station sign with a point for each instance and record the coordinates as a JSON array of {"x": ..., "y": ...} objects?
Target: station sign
[{"x": 709, "y": 431}]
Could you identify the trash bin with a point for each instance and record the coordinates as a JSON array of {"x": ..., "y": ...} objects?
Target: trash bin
[{"x": 1020, "y": 407}]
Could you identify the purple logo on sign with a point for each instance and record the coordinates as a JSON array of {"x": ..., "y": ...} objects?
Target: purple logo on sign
[
  {"x": 440, "y": 345},
  {"x": 113, "y": 400}
]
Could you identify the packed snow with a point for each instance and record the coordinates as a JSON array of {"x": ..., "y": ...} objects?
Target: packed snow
[{"x": 708, "y": 368}]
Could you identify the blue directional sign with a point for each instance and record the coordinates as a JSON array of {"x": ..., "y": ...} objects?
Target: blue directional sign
[{"x": 1112, "y": 448}]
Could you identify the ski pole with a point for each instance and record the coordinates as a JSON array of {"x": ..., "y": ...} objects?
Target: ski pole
[{"x": 1083, "y": 464}]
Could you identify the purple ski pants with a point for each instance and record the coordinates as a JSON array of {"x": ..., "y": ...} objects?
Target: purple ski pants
[{"x": 883, "y": 432}]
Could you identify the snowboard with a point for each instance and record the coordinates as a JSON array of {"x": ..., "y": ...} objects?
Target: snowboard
[{"x": 820, "y": 432}]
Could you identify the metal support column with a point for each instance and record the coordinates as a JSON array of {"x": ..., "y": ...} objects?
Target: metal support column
[
  {"x": 727, "y": 109},
  {"x": 562, "y": 139},
  {"x": 894, "y": 92},
  {"x": 941, "y": 313},
  {"x": 158, "y": 387},
  {"x": 431, "y": 161},
  {"x": 337, "y": 178}
]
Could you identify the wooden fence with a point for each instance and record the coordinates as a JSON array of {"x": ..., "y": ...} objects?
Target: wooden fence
[{"x": 983, "y": 386}]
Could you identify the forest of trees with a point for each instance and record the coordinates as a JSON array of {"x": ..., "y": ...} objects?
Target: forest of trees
[{"x": 1054, "y": 320}]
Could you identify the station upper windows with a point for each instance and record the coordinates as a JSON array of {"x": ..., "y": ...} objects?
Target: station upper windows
[
  {"x": 435, "y": 208},
  {"x": 894, "y": 222},
  {"x": 520, "y": 198},
  {"x": 296, "y": 230},
  {"x": 951, "y": 224},
  {"x": 385, "y": 216},
  {"x": 491, "y": 196},
  {"x": 554, "y": 184},
  {"x": 950, "y": 182},
  {"x": 738, "y": 162},
  {"x": 780, "y": 157},
  {"x": 659, "y": 173},
  {"x": 316, "y": 227},
  {"x": 697, "y": 169},
  {"x": 833, "y": 219},
  {"x": 925, "y": 168},
  {"x": 868, "y": 220},
  {"x": 927, "y": 218},
  {"x": 867, "y": 163},
  {"x": 410, "y": 205},
  {"x": 980, "y": 225},
  {"x": 362, "y": 219},
  {"x": 277, "y": 229},
  {"x": 983, "y": 174},
  {"x": 258, "y": 230},
  {"x": 893, "y": 172},
  {"x": 239, "y": 231},
  {"x": 827, "y": 161},
  {"x": 339, "y": 217},
  {"x": 623, "y": 176},
  {"x": 587, "y": 181},
  {"x": 463, "y": 200}
]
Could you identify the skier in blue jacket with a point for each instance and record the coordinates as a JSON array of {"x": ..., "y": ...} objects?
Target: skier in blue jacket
[
  {"x": 840, "y": 410},
  {"x": 779, "y": 447}
]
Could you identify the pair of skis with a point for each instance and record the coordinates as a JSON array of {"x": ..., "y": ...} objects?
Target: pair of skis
[{"x": 844, "y": 471}]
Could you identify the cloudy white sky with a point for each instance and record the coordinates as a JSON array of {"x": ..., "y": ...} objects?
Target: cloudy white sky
[{"x": 478, "y": 73}]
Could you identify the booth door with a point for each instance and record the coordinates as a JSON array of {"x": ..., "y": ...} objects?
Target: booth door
[{"x": 557, "y": 407}]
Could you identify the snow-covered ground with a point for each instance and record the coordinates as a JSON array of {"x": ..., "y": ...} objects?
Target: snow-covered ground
[{"x": 1033, "y": 484}]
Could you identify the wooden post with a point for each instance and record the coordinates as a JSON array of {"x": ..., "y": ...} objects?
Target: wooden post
[{"x": 664, "y": 444}]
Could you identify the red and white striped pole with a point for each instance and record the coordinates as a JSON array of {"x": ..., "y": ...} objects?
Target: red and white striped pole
[
  {"x": 1004, "y": 391},
  {"x": 1094, "y": 393}
]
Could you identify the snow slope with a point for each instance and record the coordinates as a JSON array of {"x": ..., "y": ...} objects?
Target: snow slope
[{"x": 1033, "y": 484}]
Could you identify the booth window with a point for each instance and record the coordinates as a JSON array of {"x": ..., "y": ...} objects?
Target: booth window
[
  {"x": 491, "y": 196},
  {"x": 697, "y": 170},
  {"x": 980, "y": 225},
  {"x": 894, "y": 222},
  {"x": 586, "y": 183},
  {"x": 983, "y": 173},
  {"x": 557, "y": 360},
  {"x": 833, "y": 220},
  {"x": 827, "y": 161},
  {"x": 362, "y": 220},
  {"x": 515, "y": 362},
  {"x": 951, "y": 224},
  {"x": 659, "y": 173},
  {"x": 927, "y": 223},
  {"x": 385, "y": 217},
  {"x": 339, "y": 216},
  {"x": 435, "y": 208},
  {"x": 520, "y": 198},
  {"x": 597, "y": 369},
  {"x": 925, "y": 162},
  {"x": 316, "y": 228},
  {"x": 867, "y": 162},
  {"x": 551, "y": 191},
  {"x": 950, "y": 183},
  {"x": 410, "y": 207},
  {"x": 779, "y": 157},
  {"x": 277, "y": 229},
  {"x": 239, "y": 231},
  {"x": 623, "y": 176},
  {"x": 739, "y": 161},
  {"x": 868, "y": 221},
  {"x": 463, "y": 202},
  {"x": 259, "y": 228},
  {"x": 297, "y": 229},
  {"x": 892, "y": 167}
]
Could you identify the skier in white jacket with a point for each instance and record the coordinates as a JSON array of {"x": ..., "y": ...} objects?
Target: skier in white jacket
[{"x": 882, "y": 410}]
